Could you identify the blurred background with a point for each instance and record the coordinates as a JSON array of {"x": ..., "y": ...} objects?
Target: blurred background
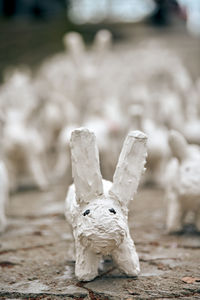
[
  {"x": 30, "y": 30},
  {"x": 109, "y": 65}
]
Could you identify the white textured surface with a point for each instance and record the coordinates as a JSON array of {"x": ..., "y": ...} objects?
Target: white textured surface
[
  {"x": 4, "y": 188},
  {"x": 98, "y": 217},
  {"x": 129, "y": 168},
  {"x": 23, "y": 149},
  {"x": 85, "y": 165},
  {"x": 178, "y": 145},
  {"x": 182, "y": 183}
]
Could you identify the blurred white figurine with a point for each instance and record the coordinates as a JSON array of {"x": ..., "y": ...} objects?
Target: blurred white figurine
[
  {"x": 158, "y": 149},
  {"x": 4, "y": 185},
  {"x": 98, "y": 209},
  {"x": 23, "y": 150},
  {"x": 182, "y": 183},
  {"x": 102, "y": 44},
  {"x": 4, "y": 191},
  {"x": 74, "y": 43}
]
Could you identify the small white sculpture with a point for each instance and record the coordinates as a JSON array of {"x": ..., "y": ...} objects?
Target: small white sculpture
[
  {"x": 74, "y": 43},
  {"x": 102, "y": 42},
  {"x": 98, "y": 209},
  {"x": 23, "y": 148},
  {"x": 4, "y": 183},
  {"x": 182, "y": 182},
  {"x": 4, "y": 191}
]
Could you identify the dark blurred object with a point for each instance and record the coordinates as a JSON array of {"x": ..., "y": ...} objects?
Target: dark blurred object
[
  {"x": 8, "y": 7},
  {"x": 29, "y": 34},
  {"x": 32, "y": 8},
  {"x": 110, "y": 11},
  {"x": 164, "y": 11}
]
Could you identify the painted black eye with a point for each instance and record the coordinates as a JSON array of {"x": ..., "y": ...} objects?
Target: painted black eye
[
  {"x": 86, "y": 212},
  {"x": 112, "y": 211}
]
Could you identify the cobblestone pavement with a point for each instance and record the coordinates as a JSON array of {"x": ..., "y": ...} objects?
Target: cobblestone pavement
[{"x": 36, "y": 259}]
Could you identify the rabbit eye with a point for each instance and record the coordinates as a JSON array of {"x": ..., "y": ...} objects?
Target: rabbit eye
[
  {"x": 112, "y": 211},
  {"x": 86, "y": 212}
]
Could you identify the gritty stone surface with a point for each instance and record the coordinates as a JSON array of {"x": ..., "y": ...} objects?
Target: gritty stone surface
[{"x": 36, "y": 249}]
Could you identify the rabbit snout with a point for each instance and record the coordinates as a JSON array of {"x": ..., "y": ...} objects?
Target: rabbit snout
[{"x": 102, "y": 240}]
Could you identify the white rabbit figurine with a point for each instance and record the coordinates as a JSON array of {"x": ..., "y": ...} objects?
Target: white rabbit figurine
[
  {"x": 4, "y": 191},
  {"x": 4, "y": 182},
  {"x": 98, "y": 209},
  {"x": 182, "y": 183}
]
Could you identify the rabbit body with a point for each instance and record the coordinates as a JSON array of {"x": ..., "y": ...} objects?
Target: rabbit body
[
  {"x": 97, "y": 209},
  {"x": 23, "y": 149},
  {"x": 4, "y": 190},
  {"x": 102, "y": 231},
  {"x": 183, "y": 189}
]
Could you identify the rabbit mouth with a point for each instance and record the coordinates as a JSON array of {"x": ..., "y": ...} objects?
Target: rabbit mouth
[{"x": 103, "y": 244}]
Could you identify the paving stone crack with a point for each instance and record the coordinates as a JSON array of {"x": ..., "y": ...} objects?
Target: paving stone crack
[
  {"x": 92, "y": 294},
  {"x": 25, "y": 248}
]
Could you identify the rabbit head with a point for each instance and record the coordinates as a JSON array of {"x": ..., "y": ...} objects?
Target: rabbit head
[{"x": 101, "y": 225}]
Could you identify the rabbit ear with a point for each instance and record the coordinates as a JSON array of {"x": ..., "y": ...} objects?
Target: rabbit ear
[
  {"x": 129, "y": 168},
  {"x": 85, "y": 165},
  {"x": 178, "y": 145}
]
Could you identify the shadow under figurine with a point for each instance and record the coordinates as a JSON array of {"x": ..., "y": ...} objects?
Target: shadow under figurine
[{"x": 98, "y": 209}]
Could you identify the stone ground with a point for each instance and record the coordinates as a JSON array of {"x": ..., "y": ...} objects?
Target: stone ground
[{"x": 36, "y": 249}]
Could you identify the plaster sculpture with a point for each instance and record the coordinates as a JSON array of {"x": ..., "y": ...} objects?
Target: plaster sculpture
[
  {"x": 191, "y": 130},
  {"x": 4, "y": 186},
  {"x": 158, "y": 149},
  {"x": 23, "y": 150},
  {"x": 102, "y": 42},
  {"x": 18, "y": 91},
  {"x": 182, "y": 183},
  {"x": 50, "y": 123},
  {"x": 4, "y": 191},
  {"x": 73, "y": 41},
  {"x": 98, "y": 209}
]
